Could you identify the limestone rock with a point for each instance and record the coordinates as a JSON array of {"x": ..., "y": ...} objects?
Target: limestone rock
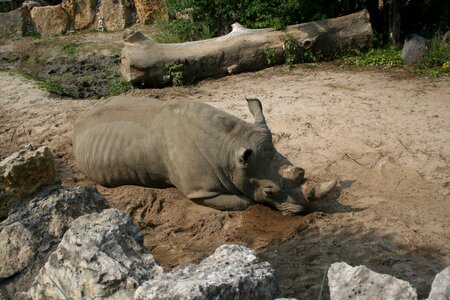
[
  {"x": 148, "y": 10},
  {"x": 414, "y": 48},
  {"x": 117, "y": 14},
  {"x": 35, "y": 229},
  {"x": 440, "y": 288},
  {"x": 15, "y": 253},
  {"x": 82, "y": 12},
  {"x": 50, "y": 20},
  {"x": 25, "y": 171},
  {"x": 11, "y": 24},
  {"x": 347, "y": 282},
  {"x": 101, "y": 256},
  {"x": 232, "y": 272}
]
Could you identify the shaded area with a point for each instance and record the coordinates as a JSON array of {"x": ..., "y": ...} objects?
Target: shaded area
[{"x": 301, "y": 262}]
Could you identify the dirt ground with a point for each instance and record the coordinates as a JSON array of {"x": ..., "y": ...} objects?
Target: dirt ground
[{"x": 386, "y": 138}]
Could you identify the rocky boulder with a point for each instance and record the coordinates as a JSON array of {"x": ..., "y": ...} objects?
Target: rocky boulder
[
  {"x": 50, "y": 20},
  {"x": 440, "y": 288},
  {"x": 101, "y": 256},
  {"x": 148, "y": 10},
  {"x": 414, "y": 48},
  {"x": 117, "y": 14},
  {"x": 11, "y": 24},
  {"x": 23, "y": 173},
  {"x": 347, "y": 282},
  {"x": 32, "y": 231},
  {"x": 232, "y": 272},
  {"x": 82, "y": 13}
]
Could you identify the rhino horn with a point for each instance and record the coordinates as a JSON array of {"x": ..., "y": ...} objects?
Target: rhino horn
[
  {"x": 294, "y": 174},
  {"x": 255, "y": 107}
]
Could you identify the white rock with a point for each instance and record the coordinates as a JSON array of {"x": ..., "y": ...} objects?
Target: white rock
[
  {"x": 440, "y": 289},
  {"x": 232, "y": 272},
  {"x": 360, "y": 283},
  {"x": 100, "y": 256}
]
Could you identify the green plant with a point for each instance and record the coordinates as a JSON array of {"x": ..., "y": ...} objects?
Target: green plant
[
  {"x": 178, "y": 31},
  {"x": 118, "y": 86},
  {"x": 174, "y": 73},
  {"x": 69, "y": 48},
  {"x": 309, "y": 57},
  {"x": 53, "y": 87},
  {"x": 271, "y": 55},
  {"x": 436, "y": 61},
  {"x": 38, "y": 59},
  {"x": 388, "y": 57},
  {"x": 291, "y": 48}
]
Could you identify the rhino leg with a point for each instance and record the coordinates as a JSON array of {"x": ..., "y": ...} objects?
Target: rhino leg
[{"x": 226, "y": 202}]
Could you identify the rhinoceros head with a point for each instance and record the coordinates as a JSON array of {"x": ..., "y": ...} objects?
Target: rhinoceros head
[{"x": 263, "y": 174}]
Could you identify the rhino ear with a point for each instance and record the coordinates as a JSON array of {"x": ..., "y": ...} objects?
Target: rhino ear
[
  {"x": 255, "y": 107},
  {"x": 243, "y": 156}
]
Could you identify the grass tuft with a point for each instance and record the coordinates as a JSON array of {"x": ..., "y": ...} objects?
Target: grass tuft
[{"x": 118, "y": 86}]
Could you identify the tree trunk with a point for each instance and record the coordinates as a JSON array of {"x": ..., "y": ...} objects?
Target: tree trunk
[
  {"x": 395, "y": 23},
  {"x": 147, "y": 63}
]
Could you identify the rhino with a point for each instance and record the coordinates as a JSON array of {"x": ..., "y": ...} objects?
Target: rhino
[{"x": 212, "y": 157}]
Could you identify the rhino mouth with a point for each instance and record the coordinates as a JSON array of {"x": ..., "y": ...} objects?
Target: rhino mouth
[{"x": 290, "y": 207}]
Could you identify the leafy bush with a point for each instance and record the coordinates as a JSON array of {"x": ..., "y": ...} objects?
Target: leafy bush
[
  {"x": 174, "y": 73},
  {"x": 271, "y": 55},
  {"x": 291, "y": 48},
  {"x": 436, "y": 60},
  {"x": 218, "y": 15},
  {"x": 376, "y": 57},
  {"x": 177, "y": 31}
]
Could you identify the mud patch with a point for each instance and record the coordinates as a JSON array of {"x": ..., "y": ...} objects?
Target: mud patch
[
  {"x": 179, "y": 231},
  {"x": 84, "y": 75}
]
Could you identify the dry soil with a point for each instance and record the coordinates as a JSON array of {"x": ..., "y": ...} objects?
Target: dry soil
[{"x": 385, "y": 138}]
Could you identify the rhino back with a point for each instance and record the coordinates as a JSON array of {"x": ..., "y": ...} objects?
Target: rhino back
[
  {"x": 112, "y": 144},
  {"x": 156, "y": 143}
]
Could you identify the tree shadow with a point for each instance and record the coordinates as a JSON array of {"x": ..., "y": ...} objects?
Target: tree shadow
[{"x": 301, "y": 261}]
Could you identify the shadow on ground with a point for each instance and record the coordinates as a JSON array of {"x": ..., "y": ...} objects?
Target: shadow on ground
[{"x": 301, "y": 261}]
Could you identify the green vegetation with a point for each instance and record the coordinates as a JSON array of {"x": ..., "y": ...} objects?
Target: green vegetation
[
  {"x": 38, "y": 59},
  {"x": 436, "y": 61},
  {"x": 271, "y": 55},
  {"x": 309, "y": 57},
  {"x": 118, "y": 86},
  {"x": 375, "y": 57},
  {"x": 291, "y": 48},
  {"x": 53, "y": 86},
  {"x": 69, "y": 48},
  {"x": 178, "y": 31},
  {"x": 174, "y": 73},
  {"x": 219, "y": 15}
]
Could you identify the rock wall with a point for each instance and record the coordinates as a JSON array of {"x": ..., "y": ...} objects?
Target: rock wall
[
  {"x": 11, "y": 24},
  {"x": 50, "y": 20},
  {"x": 147, "y": 10},
  {"x": 78, "y": 15}
]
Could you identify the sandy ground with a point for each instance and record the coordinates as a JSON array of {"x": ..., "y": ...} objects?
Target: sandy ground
[{"x": 386, "y": 139}]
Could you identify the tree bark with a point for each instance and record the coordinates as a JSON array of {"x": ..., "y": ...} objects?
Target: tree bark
[{"x": 147, "y": 63}]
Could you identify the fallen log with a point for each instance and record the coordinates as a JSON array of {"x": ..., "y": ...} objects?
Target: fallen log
[{"x": 147, "y": 63}]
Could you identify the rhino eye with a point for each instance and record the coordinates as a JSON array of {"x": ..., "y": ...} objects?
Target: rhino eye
[{"x": 268, "y": 191}]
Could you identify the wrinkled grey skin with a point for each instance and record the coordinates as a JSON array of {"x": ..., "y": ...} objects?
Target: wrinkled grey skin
[{"x": 214, "y": 158}]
